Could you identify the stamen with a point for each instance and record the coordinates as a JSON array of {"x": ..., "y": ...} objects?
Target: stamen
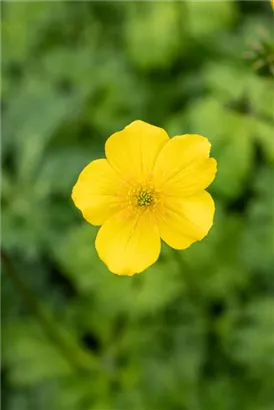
[{"x": 144, "y": 197}]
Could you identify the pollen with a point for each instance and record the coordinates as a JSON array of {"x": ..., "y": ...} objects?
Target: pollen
[{"x": 144, "y": 198}]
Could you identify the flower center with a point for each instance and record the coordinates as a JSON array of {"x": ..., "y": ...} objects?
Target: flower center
[{"x": 144, "y": 197}]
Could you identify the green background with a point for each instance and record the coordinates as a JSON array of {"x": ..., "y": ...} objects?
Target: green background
[{"x": 196, "y": 330}]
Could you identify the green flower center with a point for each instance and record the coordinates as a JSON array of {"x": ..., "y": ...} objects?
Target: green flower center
[{"x": 144, "y": 197}]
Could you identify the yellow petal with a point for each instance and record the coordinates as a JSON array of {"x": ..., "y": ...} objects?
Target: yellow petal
[
  {"x": 132, "y": 152},
  {"x": 128, "y": 242},
  {"x": 184, "y": 221},
  {"x": 183, "y": 166},
  {"x": 99, "y": 192}
]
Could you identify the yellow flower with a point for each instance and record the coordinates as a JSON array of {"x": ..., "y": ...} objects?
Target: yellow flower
[
  {"x": 149, "y": 187},
  {"x": 272, "y": 3}
]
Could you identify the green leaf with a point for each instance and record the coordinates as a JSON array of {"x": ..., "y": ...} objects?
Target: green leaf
[
  {"x": 257, "y": 239},
  {"x": 160, "y": 46},
  {"x": 20, "y": 21},
  {"x": 231, "y": 135},
  {"x": 200, "y": 21},
  {"x": 263, "y": 133},
  {"x": 253, "y": 341},
  {"x": 30, "y": 357}
]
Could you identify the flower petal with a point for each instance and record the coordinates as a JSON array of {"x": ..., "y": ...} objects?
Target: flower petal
[
  {"x": 183, "y": 166},
  {"x": 98, "y": 193},
  {"x": 133, "y": 151},
  {"x": 128, "y": 242},
  {"x": 184, "y": 221}
]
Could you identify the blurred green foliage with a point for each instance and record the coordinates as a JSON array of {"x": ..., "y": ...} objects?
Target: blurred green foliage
[{"x": 196, "y": 331}]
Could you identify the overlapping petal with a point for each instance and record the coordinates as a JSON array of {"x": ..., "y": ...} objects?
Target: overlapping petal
[
  {"x": 183, "y": 166},
  {"x": 128, "y": 242},
  {"x": 99, "y": 192},
  {"x": 183, "y": 221},
  {"x": 132, "y": 152},
  {"x": 176, "y": 171}
]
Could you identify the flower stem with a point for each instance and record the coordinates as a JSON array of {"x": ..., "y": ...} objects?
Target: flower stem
[
  {"x": 77, "y": 358},
  {"x": 191, "y": 285}
]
